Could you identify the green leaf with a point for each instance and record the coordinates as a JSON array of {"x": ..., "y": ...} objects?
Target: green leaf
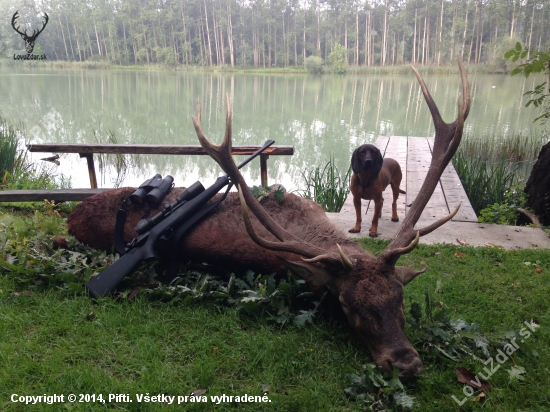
[
  {"x": 523, "y": 54},
  {"x": 403, "y": 400},
  {"x": 509, "y": 53},
  {"x": 518, "y": 46},
  {"x": 416, "y": 311},
  {"x": 516, "y": 372},
  {"x": 304, "y": 317}
]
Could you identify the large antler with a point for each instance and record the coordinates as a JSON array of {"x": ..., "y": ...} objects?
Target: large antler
[
  {"x": 288, "y": 242},
  {"x": 447, "y": 139}
]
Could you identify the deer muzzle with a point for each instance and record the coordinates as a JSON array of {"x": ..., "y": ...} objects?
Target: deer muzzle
[{"x": 405, "y": 359}]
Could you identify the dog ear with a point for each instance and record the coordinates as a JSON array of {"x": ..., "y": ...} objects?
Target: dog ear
[
  {"x": 378, "y": 161},
  {"x": 355, "y": 163}
]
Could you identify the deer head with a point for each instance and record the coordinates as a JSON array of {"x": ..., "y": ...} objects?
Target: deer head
[
  {"x": 369, "y": 289},
  {"x": 29, "y": 40}
]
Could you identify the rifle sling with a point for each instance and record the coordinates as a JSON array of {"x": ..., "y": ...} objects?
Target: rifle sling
[{"x": 120, "y": 245}]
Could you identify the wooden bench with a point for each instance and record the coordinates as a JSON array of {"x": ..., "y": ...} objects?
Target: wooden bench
[{"x": 88, "y": 150}]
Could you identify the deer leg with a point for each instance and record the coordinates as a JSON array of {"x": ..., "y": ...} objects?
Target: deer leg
[
  {"x": 358, "y": 220},
  {"x": 378, "y": 203}
]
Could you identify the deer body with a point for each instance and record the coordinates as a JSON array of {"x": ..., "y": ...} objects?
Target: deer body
[
  {"x": 218, "y": 239},
  {"x": 298, "y": 236}
]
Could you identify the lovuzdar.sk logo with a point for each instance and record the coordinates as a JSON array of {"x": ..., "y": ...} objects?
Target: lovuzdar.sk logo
[{"x": 29, "y": 39}]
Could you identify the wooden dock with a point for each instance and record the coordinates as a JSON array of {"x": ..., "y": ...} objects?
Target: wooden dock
[{"x": 414, "y": 156}]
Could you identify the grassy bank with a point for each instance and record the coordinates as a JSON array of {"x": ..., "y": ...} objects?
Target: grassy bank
[
  {"x": 105, "y": 65},
  {"x": 55, "y": 340}
]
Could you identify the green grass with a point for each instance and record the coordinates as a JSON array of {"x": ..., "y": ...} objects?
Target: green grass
[{"x": 50, "y": 344}]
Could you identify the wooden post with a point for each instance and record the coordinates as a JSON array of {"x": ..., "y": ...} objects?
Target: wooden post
[
  {"x": 91, "y": 169},
  {"x": 263, "y": 169}
]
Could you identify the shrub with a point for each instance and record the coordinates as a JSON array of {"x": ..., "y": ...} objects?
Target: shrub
[
  {"x": 337, "y": 58},
  {"x": 314, "y": 65},
  {"x": 505, "y": 213}
]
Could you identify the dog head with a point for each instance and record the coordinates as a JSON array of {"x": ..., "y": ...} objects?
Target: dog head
[{"x": 366, "y": 158}]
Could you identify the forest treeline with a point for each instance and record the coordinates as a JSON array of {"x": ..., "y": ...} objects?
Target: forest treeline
[{"x": 278, "y": 33}]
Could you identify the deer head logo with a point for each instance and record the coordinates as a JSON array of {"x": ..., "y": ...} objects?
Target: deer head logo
[{"x": 29, "y": 40}]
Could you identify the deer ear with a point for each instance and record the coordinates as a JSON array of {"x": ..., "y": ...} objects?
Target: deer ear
[
  {"x": 310, "y": 272},
  {"x": 378, "y": 161},
  {"x": 406, "y": 274}
]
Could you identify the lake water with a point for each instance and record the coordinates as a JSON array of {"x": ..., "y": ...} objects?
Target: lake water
[{"x": 319, "y": 115}]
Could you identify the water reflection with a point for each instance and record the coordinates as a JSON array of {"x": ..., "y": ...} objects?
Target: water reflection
[{"x": 319, "y": 115}]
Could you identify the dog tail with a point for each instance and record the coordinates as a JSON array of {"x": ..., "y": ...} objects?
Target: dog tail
[{"x": 402, "y": 192}]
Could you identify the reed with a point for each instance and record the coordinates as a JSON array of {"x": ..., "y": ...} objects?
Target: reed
[
  {"x": 17, "y": 172},
  {"x": 326, "y": 186},
  {"x": 12, "y": 159},
  {"x": 489, "y": 166}
]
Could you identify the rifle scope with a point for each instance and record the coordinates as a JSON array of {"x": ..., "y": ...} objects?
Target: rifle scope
[{"x": 191, "y": 192}]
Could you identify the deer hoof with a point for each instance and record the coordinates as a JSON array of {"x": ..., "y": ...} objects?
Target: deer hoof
[
  {"x": 373, "y": 234},
  {"x": 354, "y": 230},
  {"x": 396, "y": 219}
]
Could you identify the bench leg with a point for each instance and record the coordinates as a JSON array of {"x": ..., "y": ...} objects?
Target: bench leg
[
  {"x": 91, "y": 169},
  {"x": 263, "y": 169}
]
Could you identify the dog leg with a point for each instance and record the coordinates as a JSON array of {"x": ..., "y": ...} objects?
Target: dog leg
[
  {"x": 396, "y": 191},
  {"x": 378, "y": 203},
  {"x": 358, "y": 220}
]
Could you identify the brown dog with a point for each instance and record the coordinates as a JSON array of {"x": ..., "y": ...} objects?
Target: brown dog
[{"x": 371, "y": 175}]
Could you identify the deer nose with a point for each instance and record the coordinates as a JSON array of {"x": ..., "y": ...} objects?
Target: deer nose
[{"x": 406, "y": 361}]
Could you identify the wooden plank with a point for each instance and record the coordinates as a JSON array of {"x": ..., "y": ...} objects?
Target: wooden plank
[
  {"x": 454, "y": 193},
  {"x": 151, "y": 149},
  {"x": 58, "y": 195},
  {"x": 418, "y": 162}
]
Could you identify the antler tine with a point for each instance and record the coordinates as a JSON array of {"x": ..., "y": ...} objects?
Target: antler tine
[
  {"x": 292, "y": 246},
  {"x": 222, "y": 155},
  {"x": 447, "y": 140}
]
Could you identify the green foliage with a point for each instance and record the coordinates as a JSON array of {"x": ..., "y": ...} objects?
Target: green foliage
[
  {"x": 490, "y": 167},
  {"x": 281, "y": 300},
  {"x": 500, "y": 45},
  {"x": 485, "y": 183},
  {"x": 314, "y": 65},
  {"x": 505, "y": 213},
  {"x": 29, "y": 255},
  {"x": 261, "y": 192},
  {"x": 327, "y": 187},
  {"x": 337, "y": 58},
  {"x": 377, "y": 391},
  {"x": 538, "y": 62},
  {"x": 11, "y": 158},
  {"x": 16, "y": 171}
]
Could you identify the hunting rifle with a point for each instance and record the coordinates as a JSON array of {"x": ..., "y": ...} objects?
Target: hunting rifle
[{"x": 175, "y": 220}]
